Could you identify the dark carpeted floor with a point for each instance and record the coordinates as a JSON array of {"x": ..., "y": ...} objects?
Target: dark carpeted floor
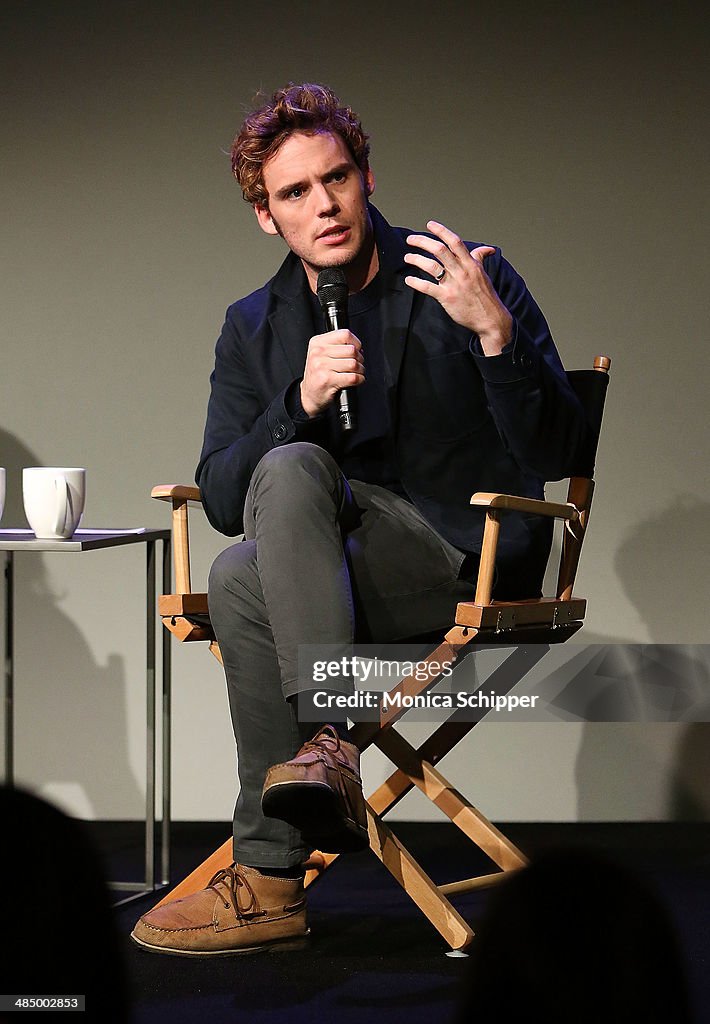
[{"x": 372, "y": 957}]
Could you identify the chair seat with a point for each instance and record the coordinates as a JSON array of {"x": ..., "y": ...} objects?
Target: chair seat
[{"x": 542, "y": 611}]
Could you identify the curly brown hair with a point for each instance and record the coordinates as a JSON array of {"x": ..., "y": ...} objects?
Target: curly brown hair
[{"x": 308, "y": 107}]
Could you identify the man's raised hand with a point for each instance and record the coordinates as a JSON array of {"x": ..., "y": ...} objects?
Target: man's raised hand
[{"x": 461, "y": 285}]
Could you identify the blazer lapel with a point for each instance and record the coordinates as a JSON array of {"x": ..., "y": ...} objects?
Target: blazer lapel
[
  {"x": 398, "y": 298},
  {"x": 291, "y": 320}
]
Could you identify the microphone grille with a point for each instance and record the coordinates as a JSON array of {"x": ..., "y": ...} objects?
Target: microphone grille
[{"x": 332, "y": 286}]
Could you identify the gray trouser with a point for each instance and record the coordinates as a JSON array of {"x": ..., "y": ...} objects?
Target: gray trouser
[{"x": 324, "y": 560}]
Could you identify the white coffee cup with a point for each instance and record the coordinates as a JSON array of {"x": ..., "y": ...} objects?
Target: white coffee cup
[
  {"x": 2, "y": 491},
  {"x": 54, "y": 500}
]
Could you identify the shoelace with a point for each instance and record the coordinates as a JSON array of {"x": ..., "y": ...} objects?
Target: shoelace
[
  {"x": 321, "y": 741},
  {"x": 234, "y": 880},
  {"x": 323, "y": 744}
]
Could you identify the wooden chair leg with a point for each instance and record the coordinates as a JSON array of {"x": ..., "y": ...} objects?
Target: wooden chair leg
[
  {"x": 415, "y": 767},
  {"x": 455, "y": 806},
  {"x": 417, "y": 884}
]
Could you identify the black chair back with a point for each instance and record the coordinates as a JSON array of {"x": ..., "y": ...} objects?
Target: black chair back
[{"x": 590, "y": 388}]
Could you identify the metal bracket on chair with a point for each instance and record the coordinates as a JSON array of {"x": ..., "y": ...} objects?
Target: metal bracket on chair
[
  {"x": 563, "y": 615},
  {"x": 505, "y": 620}
]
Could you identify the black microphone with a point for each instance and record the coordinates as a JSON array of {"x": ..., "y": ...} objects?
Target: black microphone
[{"x": 332, "y": 291}]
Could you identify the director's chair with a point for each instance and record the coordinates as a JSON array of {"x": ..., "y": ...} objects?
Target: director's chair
[{"x": 527, "y": 626}]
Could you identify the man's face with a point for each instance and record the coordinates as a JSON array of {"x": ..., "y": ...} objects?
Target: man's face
[{"x": 318, "y": 203}]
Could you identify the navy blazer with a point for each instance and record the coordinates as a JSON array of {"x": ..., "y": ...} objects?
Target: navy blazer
[{"x": 462, "y": 421}]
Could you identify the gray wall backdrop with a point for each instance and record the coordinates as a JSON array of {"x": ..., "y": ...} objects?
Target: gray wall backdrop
[{"x": 569, "y": 133}]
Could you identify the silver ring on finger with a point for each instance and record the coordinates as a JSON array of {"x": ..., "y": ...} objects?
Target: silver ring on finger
[{"x": 440, "y": 276}]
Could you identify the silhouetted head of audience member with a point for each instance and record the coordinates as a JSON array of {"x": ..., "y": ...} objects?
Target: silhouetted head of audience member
[
  {"x": 59, "y": 936},
  {"x": 575, "y": 938}
]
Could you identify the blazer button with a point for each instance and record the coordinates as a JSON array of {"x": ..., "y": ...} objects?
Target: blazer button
[{"x": 280, "y": 432}]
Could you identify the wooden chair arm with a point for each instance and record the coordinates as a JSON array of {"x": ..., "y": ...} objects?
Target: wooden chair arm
[
  {"x": 494, "y": 504},
  {"x": 179, "y": 495},
  {"x": 169, "y": 492},
  {"x": 552, "y": 509}
]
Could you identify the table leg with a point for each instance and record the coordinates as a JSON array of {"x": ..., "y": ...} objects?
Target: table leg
[
  {"x": 150, "y": 718},
  {"x": 167, "y": 726},
  {"x": 9, "y": 671}
]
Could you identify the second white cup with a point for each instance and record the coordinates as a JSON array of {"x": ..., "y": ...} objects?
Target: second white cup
[{"x": 54, "y": 500}]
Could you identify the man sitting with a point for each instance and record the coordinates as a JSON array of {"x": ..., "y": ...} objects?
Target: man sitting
[{"x": 366, "y": 533}]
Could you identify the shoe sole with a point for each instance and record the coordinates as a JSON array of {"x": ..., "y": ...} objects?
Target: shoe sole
[
  {"x": 277, "y": 946},
  {"x": 316, "y": 811}
]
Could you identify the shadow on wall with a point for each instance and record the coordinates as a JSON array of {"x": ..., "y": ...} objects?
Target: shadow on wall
[
  {"x": 70, "y": 712},
  {"x": 663, "y": 567},
  {"x": 663, "y": 570}
]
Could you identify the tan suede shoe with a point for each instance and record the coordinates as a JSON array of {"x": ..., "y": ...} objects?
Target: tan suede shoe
[
  {"x": 240, "y": 911},
  {"x": 320, "y": 792}
]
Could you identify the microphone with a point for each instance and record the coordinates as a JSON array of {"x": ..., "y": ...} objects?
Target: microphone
[{"x": 332, "y": 292}]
